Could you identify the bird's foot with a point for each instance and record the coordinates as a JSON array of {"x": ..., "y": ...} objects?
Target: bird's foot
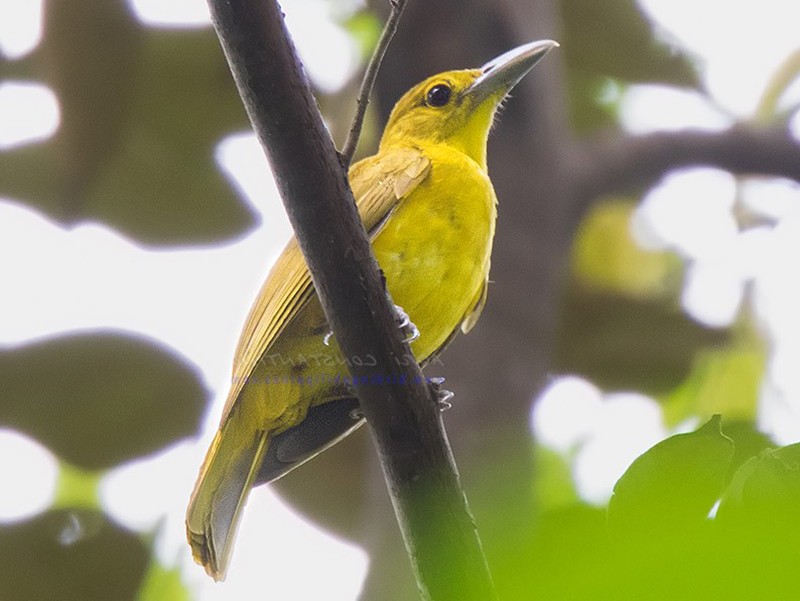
[
  {"x": 356, "y": 414},
  {"x": 443, "y": 396},
  {"x": 410, "y": 331},
  {"x": 404, "y": 322}
]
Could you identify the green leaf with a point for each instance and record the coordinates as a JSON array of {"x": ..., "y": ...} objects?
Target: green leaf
[
  {"x": 568, "y": 557},
  {"x": 97, "y": 399},
  {"x": 162, "y": 584},
  {"x": 606, "y": 257},
  {"x": 670, "y": 489},
  {"x": 77, "y": 488},
  {"x": 365, "y": 28},
  {"x": 747, "y": 441},
  {"x": 594, "y": 101},
  {"x": 615, "y": 38},
  {"x": 70, "y": 556},
  {"x": 621, "y": 325},
  {"x": 763, "y": 497},
  {"x": 609, "y": 43},
  {"x": 141, "y": 110},
  {"x": 723, "y": 380},
  {"x": 553, "y": 486}
]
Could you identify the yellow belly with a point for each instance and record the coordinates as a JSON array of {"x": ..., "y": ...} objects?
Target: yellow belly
[{"x": 435, "y": 248}]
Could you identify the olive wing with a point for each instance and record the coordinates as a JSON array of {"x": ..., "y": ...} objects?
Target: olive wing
[{"x": 379, "y": 183}]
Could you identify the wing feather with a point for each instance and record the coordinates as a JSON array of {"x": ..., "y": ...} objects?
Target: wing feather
[
  {"x": 379, "y": 183},
  {"x": 471, "y": 318}
]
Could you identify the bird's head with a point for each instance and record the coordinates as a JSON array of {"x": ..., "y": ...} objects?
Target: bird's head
[{"x": 457, "y": 108}]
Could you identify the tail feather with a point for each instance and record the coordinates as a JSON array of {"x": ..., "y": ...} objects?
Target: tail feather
[{"x": 215, "y": 509}]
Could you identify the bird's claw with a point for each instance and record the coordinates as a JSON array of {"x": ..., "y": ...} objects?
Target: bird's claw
[
  {"x": 356, "y": 414},
  {"x": 443, "y": 396},
  {"x": 404, "y": 323}
]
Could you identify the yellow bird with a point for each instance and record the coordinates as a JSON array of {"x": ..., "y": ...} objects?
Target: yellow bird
[{"x": 429, "y": 207}]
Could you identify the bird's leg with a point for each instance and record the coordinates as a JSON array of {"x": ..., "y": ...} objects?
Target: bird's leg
[
  {"x": 405, "y": 324},
  {"x": 442, "y": 395}
]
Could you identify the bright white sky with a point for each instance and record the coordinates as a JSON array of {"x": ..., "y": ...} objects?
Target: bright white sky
[{"x": 691, "y": 212}]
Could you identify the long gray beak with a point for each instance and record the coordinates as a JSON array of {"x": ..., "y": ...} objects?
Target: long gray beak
[{"x": 504, "y": 72}]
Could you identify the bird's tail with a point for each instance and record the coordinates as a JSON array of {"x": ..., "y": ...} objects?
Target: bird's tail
[{"x": 219, "y": 496}]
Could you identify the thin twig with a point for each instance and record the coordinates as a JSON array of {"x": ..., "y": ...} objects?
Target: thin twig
[
  {"x": 369, "y": 81},
  {"x": 783, "y": 77}
]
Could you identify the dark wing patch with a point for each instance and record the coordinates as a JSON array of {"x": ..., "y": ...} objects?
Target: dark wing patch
[{"x": 324, "y": 426}]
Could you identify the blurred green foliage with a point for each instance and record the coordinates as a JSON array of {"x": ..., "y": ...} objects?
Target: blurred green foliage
[
  {"x": 141, "y": 109},
  {"x": 607, "y": 45},
  {"x": 621, "y": 325},
  {"x": 658, "y": 540},
  {"x": 160, "y": 583},
  {"x": 98, "y": 399},
  {"x": 71, "y": 555},
  {"x": 672, "y": 487}
]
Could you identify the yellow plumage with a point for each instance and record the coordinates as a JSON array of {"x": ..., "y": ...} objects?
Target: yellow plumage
[{"x": 429, "y": 207}]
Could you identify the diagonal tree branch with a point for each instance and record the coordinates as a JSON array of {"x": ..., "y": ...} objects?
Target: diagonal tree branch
[{"x": 423, "y": 482}]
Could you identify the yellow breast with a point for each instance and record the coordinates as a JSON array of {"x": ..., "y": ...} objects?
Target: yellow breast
[{"x": 435, "y": 249}]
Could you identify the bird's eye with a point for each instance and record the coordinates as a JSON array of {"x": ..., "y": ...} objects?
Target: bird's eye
[{"x": 438, "y": 95}]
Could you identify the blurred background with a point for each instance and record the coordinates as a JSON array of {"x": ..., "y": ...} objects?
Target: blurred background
[{"x": 644, "y": 279}]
